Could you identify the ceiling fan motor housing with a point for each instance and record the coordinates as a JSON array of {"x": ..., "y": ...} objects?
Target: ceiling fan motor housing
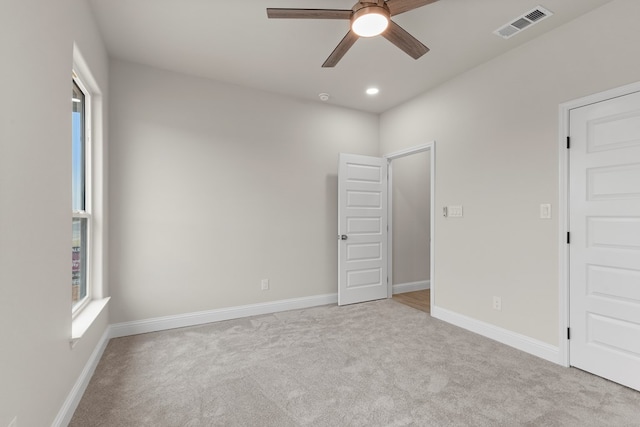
[
  {"x": 366, "y": 7},
  {"x": 371, "y": 3}
]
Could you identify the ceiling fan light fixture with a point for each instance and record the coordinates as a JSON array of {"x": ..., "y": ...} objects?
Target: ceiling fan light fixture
[
  {"x": 370, "y": 21},
  {"x": 368, "y": 18}
]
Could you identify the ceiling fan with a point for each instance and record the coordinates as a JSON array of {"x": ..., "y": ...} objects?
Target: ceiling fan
[{"x": 368, "y": 18}]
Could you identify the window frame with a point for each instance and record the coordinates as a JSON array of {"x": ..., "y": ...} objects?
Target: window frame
[
  {"x": 83, "y": 316},
  {"x": 88, "y": 192}
]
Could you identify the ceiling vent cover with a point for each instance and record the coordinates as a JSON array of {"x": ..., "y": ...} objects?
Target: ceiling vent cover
[{"x": 521, "y": 22}]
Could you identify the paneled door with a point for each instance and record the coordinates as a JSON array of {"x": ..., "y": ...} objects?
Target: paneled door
[
  {"x": 362, "y": 229},
  {"x": 604, "y": 249}
]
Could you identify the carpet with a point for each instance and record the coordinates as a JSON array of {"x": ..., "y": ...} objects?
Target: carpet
[{"x": 372, "y": 364}]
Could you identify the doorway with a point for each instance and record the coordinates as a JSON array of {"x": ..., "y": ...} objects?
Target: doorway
[
  {"x": 365, "y": 226},
  {"x": 410, "y": 255}
]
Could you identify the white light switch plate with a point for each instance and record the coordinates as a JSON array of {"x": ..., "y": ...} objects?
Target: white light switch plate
[
  {"x": 454, "y": 211},
  {"x": 545, "y": 211}
]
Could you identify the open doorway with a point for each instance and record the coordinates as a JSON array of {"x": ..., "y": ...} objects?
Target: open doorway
[{"x": 410, "y": 224}]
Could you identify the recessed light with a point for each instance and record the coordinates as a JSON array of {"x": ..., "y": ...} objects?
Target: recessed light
[
  {"x": 323, "y": 96},
  {"x": 373, "y": 91}
]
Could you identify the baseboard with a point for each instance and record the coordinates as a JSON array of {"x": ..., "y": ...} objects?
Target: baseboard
[
  {"x": 401, "y": 288},
  {"x": 209, "y": 316},
  {"x": 510, "y": 338},
  {"x": 73, "y": 399}
]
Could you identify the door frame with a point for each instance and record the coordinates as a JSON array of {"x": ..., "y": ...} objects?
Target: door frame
[
  {"x": 431, "y": 147},
  {"x": 564, "y": 303}
]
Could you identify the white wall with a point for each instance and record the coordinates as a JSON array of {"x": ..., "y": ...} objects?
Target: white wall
[
  {"x": 411, "y": 217},
  {"x": 214, "y": 187},
  {"x": 496, "y": 133},
  {"x": 37, "y": 366}
]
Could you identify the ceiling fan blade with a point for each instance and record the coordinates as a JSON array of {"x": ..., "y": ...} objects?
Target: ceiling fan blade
[
  {"x": 405, "y": 41},
  {"x": 397, "y": 7},
  {"x": 309, "y": 13},
  {"x": 341, "y": 49}
]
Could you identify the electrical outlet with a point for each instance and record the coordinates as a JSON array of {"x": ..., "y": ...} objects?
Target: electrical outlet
[
  {"x": 497, "y": 303},
  {"x": 14, "y": 422},
  {"x": 264, "y": 284}
]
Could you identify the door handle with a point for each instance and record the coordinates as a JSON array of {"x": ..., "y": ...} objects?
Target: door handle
[{"x": 343, "y": 237}]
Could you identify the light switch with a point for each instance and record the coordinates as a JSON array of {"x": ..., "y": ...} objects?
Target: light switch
[
  {"x": 454, "y": 211},
  {"x": 545, "y": 211}
]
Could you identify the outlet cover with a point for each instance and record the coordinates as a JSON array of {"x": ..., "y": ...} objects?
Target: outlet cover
[
  {"x": 264, "y": 284},
  {"x": 497, "y": 303}
]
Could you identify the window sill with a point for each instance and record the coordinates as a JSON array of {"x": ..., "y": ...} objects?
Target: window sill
[{"x": 85, "y": 319}]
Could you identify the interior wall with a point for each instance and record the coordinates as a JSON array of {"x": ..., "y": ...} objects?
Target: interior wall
[
  {"x": 411, "y": 218},
  {"x": 38, "y": 368},
  {"x": 214, "y": 187},
  {"x": 496, "y": 130}
]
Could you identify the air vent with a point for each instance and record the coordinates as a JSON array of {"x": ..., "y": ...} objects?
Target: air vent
[
  {"x": 536, "y": 15},
  {"x": 521, "y": 22}
]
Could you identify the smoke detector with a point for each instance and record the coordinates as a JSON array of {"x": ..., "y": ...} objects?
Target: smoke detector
[
  {"x": 323, "y": 97},
  {"x": 522, "y": 22}
]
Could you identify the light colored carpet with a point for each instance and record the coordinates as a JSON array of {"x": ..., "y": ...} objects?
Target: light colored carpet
[{"x": 373, "y": 364}]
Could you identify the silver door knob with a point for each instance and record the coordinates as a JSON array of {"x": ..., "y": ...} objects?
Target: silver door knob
[{"x": 343, "y": 237}]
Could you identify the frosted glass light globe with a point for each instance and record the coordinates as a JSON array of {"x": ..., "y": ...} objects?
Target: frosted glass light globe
[{"x": 370, "y": 24}]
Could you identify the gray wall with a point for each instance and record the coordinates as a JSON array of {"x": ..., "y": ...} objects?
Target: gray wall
[
  {"x": 411, "y": 218},
  {"x": 496, "y": 133},
  {"x": 215, "y": 187},
  {"x": 37, "y": 366}
]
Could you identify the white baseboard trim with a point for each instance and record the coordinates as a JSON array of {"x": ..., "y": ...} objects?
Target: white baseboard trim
[
  {"x": 401, "y": 288},
  {"x": 505, "y": 336},
  {"x": 209, "y": 316},
  {"x": 73, "y": 399}
]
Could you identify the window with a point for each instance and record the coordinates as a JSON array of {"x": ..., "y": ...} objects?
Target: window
[
  {"x": 88, "y": 239},
  {"x": 80, "y": 196}
]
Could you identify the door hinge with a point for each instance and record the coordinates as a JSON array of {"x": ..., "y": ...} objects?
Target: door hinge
[
  {"x": 568, "y": 238},
  {"x": 568, "y": 142},
  {"x": 568, "y": 333}
]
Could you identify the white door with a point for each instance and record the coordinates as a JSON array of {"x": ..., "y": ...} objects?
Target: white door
[
  {"x": 605, "y": 239},
  {"x": 362, "y": 229}
]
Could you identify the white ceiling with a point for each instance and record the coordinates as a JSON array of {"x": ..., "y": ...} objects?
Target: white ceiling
[{"x": 232, "y": 41}]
